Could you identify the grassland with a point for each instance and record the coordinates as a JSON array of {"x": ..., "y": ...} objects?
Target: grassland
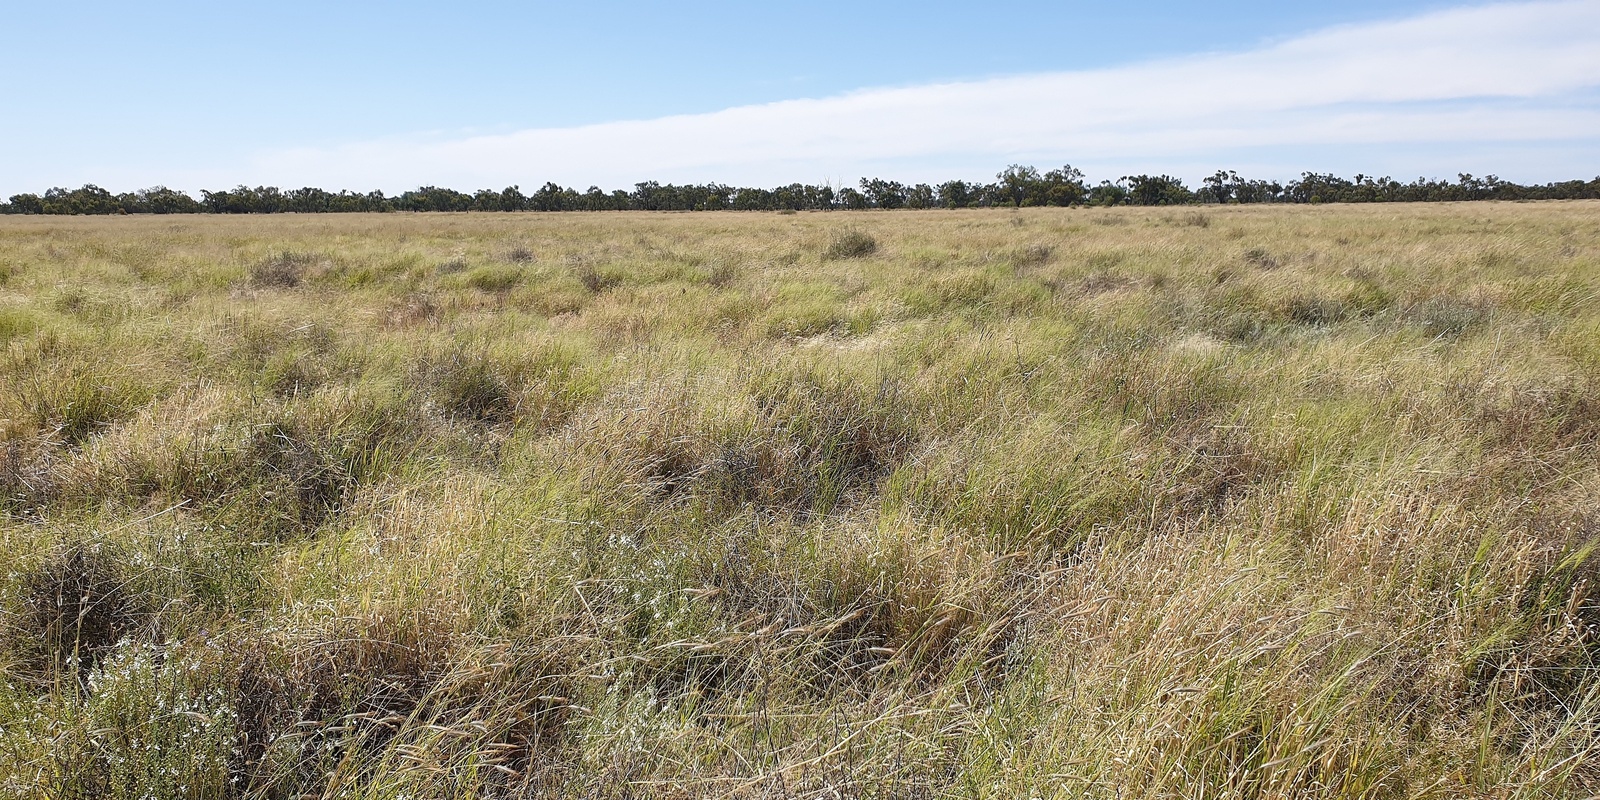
[{"x": 1111, "y": 503}]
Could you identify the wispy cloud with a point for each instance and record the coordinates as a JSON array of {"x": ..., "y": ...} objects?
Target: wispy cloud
[{"x": 1517, "y": 79}]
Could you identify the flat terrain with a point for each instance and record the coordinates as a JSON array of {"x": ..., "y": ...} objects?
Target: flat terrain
[{"x": 1115, "y": 503}]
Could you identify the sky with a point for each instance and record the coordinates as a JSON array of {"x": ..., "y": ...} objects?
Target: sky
[{"x": 394, "y": 95}]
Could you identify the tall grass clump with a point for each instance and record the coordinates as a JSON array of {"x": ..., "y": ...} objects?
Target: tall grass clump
[
  {"x": 850, "y": 243},
  {"x": 77, "y": 605},
  {"x": 285, "y": 270}
]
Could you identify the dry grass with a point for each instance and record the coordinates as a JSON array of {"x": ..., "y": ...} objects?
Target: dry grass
[{"x": 1114, "y": 503}]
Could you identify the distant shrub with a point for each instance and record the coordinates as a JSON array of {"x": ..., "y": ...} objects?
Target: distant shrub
[{"x": 850, "y": 244}]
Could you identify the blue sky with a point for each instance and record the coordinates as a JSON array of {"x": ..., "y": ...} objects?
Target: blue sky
[{"x": 393, "y": 95}]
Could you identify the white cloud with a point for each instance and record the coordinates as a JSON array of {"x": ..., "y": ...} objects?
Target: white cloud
[{"x": 1519, "y": 77}]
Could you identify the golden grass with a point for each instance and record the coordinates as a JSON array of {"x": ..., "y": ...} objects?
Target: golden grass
[{"x": 1123, "y": 503}]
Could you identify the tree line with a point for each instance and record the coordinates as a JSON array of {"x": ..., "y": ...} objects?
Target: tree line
[{"x": 1016, "y": 186}]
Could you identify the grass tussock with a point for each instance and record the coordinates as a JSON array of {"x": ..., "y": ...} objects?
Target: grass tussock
[
  {"x": 850, "y": 243},
  {"x": 284, "y": 270},
  {"x": 1104, "y": 503},
  {"x": 28, "y": 476},
  {"x": 793, "y": 443},
  {"x": 77, "y": 605}
]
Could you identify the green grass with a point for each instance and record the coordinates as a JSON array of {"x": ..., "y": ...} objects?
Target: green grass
[{"x": 1112, "y": 503}]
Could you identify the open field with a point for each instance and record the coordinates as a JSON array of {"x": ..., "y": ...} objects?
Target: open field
[{"x": 1115, "y": 503}]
